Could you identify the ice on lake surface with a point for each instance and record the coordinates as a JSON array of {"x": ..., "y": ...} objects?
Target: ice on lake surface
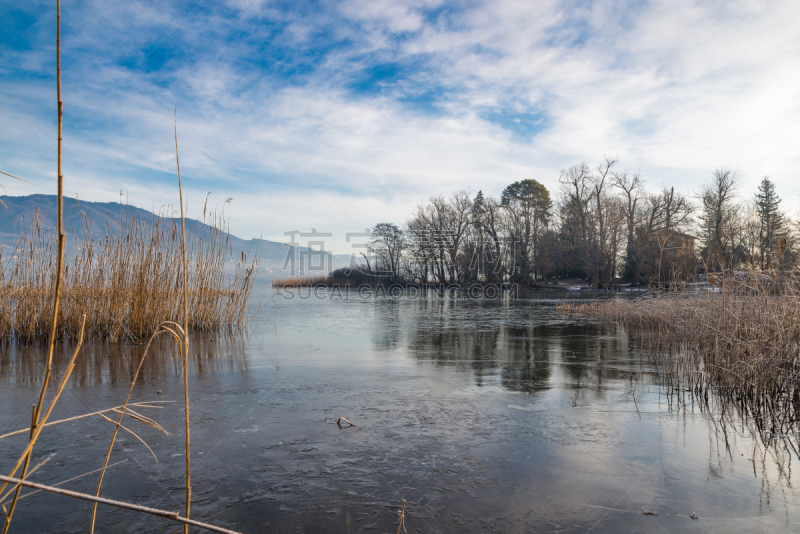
[{"x": 485, "y": 415}]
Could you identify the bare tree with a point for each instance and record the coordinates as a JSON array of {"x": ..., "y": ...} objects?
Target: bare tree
[
  {"x": 676, "y": 212},
  {"x": 604, "y": 244},
  {"x": 422, "y": 244},
  {"x": 630, "y": 185},
  {"x": 457, "y": 225},
  {"x": 717, "y": 198},
  {"x": 577, "y": 191},
  {"x": 440, "y": 230},
  {"x": 487, "y": 256},
  {"x": 437, "y": 223},
  {"x": 750, "y": 226},
  {"x": 388, "y": 243},
  {"x": 586, "y": 210}
]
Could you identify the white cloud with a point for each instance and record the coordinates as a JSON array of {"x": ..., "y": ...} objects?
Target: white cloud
[{"x": 674, "y": 89}]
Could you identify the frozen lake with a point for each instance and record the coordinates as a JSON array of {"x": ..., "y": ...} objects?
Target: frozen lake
[{"x": 485, "y": 415}]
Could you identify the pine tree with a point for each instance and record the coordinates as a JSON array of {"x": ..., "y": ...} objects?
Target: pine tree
[
  {"x": 772, "y": 222},
  {"x": 528, "y": 204},
  {"x": 478, "y": 210}
]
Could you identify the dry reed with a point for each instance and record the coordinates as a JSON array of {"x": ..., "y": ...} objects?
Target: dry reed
[
  {"x": 127, "y": 281},
  {"x": 133, "y": 415},
  {"x": 37, "y": 425},
  {"x": 739, "y": 339},
  {"x": 401, "y": 523},
  {"x": 185, "y": 347},
  {"x": 2, "y": 505},
  {"x": 165, "y": 328},
  {"x": 117, "y": 504},
  {"x": 339, "y": 422}
]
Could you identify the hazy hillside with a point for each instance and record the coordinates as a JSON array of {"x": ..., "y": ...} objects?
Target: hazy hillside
[{"x": 103, "y": 215}]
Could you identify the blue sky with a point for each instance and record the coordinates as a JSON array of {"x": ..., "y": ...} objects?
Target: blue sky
[{"x": 339, "y": 115}]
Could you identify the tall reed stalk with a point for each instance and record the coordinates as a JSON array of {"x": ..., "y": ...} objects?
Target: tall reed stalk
[
  {"x": 36, "y": 422},
  {"x": 185, "y": 337}
]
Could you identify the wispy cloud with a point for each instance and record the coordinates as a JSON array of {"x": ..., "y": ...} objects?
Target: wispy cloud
[{"x": 343, "y": 114}]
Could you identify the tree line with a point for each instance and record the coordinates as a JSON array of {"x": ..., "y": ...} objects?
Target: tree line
[{"x": 602, "y": 225}]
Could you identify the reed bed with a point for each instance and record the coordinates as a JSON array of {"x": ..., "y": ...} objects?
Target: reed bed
[
  {"x": 126, "y": 282},
  {"x": 739, "y": 339},
  {"x": 313, "y": 281}
]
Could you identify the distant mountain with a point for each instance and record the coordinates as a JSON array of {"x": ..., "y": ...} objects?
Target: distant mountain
[{"x": 102, "y": 215}]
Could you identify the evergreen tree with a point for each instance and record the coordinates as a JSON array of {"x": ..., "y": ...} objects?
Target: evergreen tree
[{"x": 771, "y": 220}]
